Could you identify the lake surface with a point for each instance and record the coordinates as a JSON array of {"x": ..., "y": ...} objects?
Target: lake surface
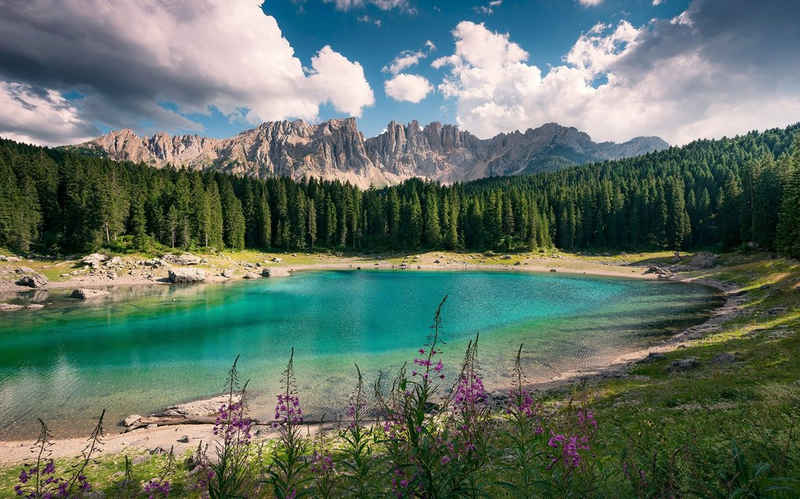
[{"x": 155, "y": 346}]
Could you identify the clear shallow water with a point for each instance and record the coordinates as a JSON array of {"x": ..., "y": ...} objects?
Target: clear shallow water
[{"x": 164, "y": 345}]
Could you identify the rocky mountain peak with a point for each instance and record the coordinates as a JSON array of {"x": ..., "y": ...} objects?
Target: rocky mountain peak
[{"x": 337, "y": 150}]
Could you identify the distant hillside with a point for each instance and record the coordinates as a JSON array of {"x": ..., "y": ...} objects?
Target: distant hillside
[{"x": 336, "y": 150}]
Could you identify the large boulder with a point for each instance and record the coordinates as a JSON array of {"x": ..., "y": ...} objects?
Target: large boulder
[
  {"x": 186, "y": 276},
  {"x": 183, "y": 259},
  {"x": 88, "y": 293},
  {"x": 94, "y": 260},
  {"x": 703, "y": 261},
  {"x": 265, "y": 273},
  {"x": 33, "y": 280}
]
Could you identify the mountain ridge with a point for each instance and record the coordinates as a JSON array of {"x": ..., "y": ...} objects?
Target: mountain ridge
[{"x": 337, "y": 150}]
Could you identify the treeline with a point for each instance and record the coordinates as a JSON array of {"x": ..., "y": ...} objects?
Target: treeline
[{"x": 726, "y": 193}]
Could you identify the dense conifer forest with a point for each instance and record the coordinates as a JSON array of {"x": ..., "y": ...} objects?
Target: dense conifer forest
[{"x": 710, "y": 193}]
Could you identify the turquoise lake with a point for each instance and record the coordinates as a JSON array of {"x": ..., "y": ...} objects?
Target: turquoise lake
[{"x": 151, "y": 347}]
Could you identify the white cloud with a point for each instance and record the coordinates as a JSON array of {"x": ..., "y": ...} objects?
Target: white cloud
[
  {"x": 366, "y": 19},
  {"x": 590, "y": 3},
  {"x": 381, "y": 4},
  {"x": 126, "y": 57},
  {"x": 40, "y": 117},
  {"x": 342, "y": 83},
  {"x": 680, "y": 78},
  {"x": 407, "y": 87},
  {"x": 409, "y": 58},
  {"x": 488, "y": 9},
  {"x": 405, "y": 60},
  {"x": 657, "y": 2}
]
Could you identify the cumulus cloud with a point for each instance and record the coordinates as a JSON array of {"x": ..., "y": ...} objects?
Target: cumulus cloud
[
  {"x": 691, "y": 76},
  {"x": 407, "y": 87},
  {"x": 409, "y": 58},
  {"x": 40, "y": 116},
  {"x": 590, "y": 3},
  {"x": 127, "y": 58},
  {"x": 658, "y": 2}
]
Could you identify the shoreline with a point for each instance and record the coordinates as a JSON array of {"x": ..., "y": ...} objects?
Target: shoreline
[{"x": 149, "y": 437}]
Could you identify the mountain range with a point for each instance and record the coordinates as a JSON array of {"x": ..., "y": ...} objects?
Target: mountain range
[{"x": 337, "y": 150}]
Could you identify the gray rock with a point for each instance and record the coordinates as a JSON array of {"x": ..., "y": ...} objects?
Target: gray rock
[
  {"x": 725, "y": 358},
  {"x": 653, "y": 357},
  {"x": 683, "y": 364},
  {"x": 227, "y": 273},
  {"x": 183, "y": 259},
  {"x": 9, "y": 258},
  {"x": 266, "y": 273},
  {"x": 88, "y": 293},
  {"x": 153, "y": 262},
  {"x": 184, "y": 439},
  {"x": 10, "y": 307},
  {"x": 131, "y": 420},
  {"x": 34, "y": 306},
  {"x": 250, "y": 275},
  {"x": 703, "y": 261},
  {"x": 114, "y": 262},
  {"x": 186, "y": 276},
  {"x": 94, "y": 260},
  {"x": 34, "y": 280}
]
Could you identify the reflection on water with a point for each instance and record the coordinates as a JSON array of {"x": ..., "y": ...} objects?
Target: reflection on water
[{"x": 148, "y": 347}]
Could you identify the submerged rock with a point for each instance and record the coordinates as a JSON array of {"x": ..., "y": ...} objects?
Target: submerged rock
[
  {"x": 186, "y": 276},
  {"x": 88, "y": 293}
]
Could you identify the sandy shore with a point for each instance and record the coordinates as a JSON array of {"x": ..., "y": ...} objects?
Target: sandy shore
[{"x": 186, "y": 436}]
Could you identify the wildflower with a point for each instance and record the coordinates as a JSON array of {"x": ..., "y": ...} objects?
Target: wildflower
[{"x": 445, "y": 459}]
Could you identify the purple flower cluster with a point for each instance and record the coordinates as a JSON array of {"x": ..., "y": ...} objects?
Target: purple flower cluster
[
  {"x": 469, "y": 391},
  {"x": 571, "y": 445},
  {"x": 157, "y": 487},
  {"x": 427, "y": 364},
  {"x": 231, "y": 422},
  {"x": 287, "y": 410},
  {"x": 570, "y": 448},
  {"x": 51, "y": 486},
  {"x": 321, "y": 463}
]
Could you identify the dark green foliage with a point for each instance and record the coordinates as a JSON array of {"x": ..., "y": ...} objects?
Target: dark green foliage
[{"x": 726, "y": 192}]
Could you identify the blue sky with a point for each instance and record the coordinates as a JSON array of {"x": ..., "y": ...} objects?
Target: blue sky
[
  {"x": 678, "y": 69},
  {"x": 547, "y": 29}
]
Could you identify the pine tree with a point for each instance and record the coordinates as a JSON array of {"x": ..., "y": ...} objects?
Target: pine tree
[
  {"x": 215, "y": 237},
  {"x": 432, "y": 231},
  {"x": 312, "y": 223},
  {"x": 789, "y": 222}
]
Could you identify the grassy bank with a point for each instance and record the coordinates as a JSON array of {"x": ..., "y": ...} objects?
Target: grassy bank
[{"x": 717, "y": 417}]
